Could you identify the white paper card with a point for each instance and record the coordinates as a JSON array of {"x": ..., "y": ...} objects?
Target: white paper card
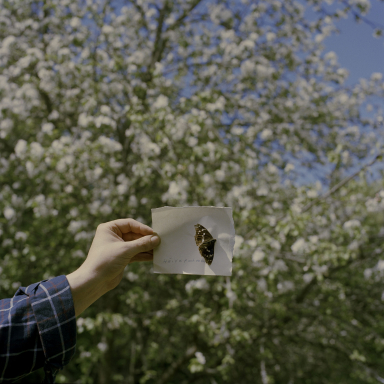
[{"x": 178, "y": 252}]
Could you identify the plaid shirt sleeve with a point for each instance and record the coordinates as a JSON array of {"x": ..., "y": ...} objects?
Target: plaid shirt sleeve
[{"x": 37, "y": 329}]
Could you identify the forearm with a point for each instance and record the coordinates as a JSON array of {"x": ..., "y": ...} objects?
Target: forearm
[
  {"x": 39, "y": 311},
  {"x": 85, "y": 289}
]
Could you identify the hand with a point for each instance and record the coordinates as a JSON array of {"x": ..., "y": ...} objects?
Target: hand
[{"x": 116, "y": 244}]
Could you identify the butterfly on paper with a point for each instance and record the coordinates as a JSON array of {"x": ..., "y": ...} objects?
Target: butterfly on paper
[{"x": 205, "y": 242}]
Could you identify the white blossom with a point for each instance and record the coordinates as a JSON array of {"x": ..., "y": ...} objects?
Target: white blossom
[
  {"x": 274, "y": 243},
  {"x": 122, "y": 189},
  {"x": 9, "y": 213},
  {"x": 64, "y": 162},
  {"x": 307, "y": 277},
  {"x": 237, "y": 109},
  {"x": 247, "y": 68},
  {"x": 37, "y": 150},
  {"x": 376, "y": 76},
  {"x": 264, "y": 71},
  {"x": 312, "y": 194},
  {"x": 320, "y": 270},
  {"x": 21, "y": 148},
  {"x": 239, "y": 240},
  {"x": 30, "y": 168},
  {"x": 351, "y": 224},
  {"x": 296, "y": 208},
  {"x": 105, "y": 209},
  {"x": 272, "y": 168},
  {"x": 298, "y": 246},
  {"x": 353, "y": 245},
  {"x": 262, "y": 191},
  {"x": 368, "y": 273},
  {"x": 21, "y": 235},
  {"x": 132, "y": 276},
  {"x": 74, "y": 212},
  {"x": 195, "y": 128},
  {"x": 220, "y": 175},
  {"x": 109, "y": 145},
  {"x": 83, "y": 235},
  {"x": 105, "y": 110},
  {"x": 285, "y": 286},
  {"x": 132, "y": 201},
  {"x": 197, "y": 284},
  {"x": 5, "y": 127},
  {"x": 75, "y": 22},
  {"x": 200, "y": 357},
  {"x": 147, "y": 147},
  {"x": 68, "y": 188},
  {"x": 270, "y": 36},
  {"x": 94, "y": 206},
  {"x": 289, "y": 167},
  {"x": 380, "y": 265},
  {"x": 107, "y": 29},
  {"x": 100, "y": 120},
  {"x": 176, "y": 190},
  {"x": 47, "y": 128},
  {"x": 262, "y": 284},
  {"x": 314, "y": 239},
  {"x": 161, "y": 102},
  {"x": 192, "y": 141},
  {"x": 84, "y": 120},
  {"x": 102, "y": 346},
  {"x": 76, "y": 225},
  {"x": 236, "y": 130},
  {"x": 7, "y": 41},
  {"x": 258, "y": 255},
  {"x": 266, "y": 134},
  {"x": 280, "y": 265}
]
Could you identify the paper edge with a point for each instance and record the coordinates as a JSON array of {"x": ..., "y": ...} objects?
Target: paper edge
[
  {"x": 229, "y": 212},
  {"x": 233, "y": 233},
  {"x": 190, "y": 206},
  {"x": 185, "y": 273}
]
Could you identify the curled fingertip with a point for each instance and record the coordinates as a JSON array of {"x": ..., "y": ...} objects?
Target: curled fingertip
[{"x": 155, "y": 239}]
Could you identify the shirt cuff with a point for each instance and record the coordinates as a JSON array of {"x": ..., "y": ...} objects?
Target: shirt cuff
[{"x": 53, "y": 307}]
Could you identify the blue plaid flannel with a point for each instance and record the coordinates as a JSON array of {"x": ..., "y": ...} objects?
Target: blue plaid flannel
[{"x": 37, "y": 329}]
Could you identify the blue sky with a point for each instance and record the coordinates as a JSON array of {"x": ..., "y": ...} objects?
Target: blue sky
[
  {"x": 361, "y": 54},
  {"x": 357, "y": 50}
]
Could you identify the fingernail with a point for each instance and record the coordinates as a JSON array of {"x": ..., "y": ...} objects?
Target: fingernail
[{"x": 155, "y": 240}]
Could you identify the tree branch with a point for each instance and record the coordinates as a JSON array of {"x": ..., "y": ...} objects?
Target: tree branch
[
  {"x": 339, "y": 185},
  {"x": 326, "y": 195},
  {"x": 159, "y": 42},
  {"x": 142, "y": 13},
  {"x": 178, "y": 22},
  {"x": 301, "y": 296}
]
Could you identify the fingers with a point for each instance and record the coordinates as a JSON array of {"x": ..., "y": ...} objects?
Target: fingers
[
  {"x": 130, "y": 225},
  {"x": 148, "y": 256},
  {"x": 131, "y": 236},
  {"x": 141, "y": 245}
]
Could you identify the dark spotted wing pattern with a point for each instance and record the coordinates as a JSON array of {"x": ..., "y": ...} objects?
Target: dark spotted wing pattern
[{"x": 205, "y": 242}]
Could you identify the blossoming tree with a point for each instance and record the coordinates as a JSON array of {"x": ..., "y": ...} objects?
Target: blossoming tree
[{"x": 111, "y": 108}]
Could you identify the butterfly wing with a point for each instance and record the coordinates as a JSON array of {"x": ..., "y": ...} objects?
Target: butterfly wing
[
  {"x": 202, "y": 235},
  {"x": 205, "y": 242},
  {"x": 206, "y": 250}
]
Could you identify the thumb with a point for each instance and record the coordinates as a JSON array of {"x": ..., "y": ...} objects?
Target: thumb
[{"x": 142, "y": 245}]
